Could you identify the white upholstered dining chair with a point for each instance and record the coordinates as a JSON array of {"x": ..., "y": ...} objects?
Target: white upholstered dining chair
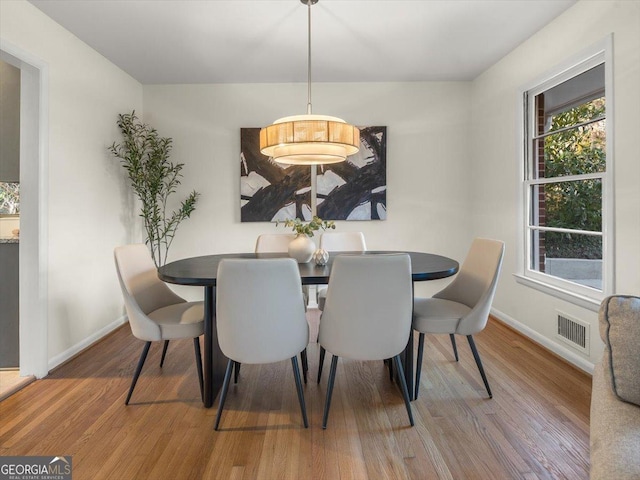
[
  {"x": 274, "y": 242},
  {"x": 462, "y": 308},
  {"x": 279, "y": 243},
  {"x": 367, "y": 314},
  {"x": 343, "y": 242},
  {"x": 260, "y": 317},
  {"x": 339, "y": 242},
  {"x": 154, "y": 311}
]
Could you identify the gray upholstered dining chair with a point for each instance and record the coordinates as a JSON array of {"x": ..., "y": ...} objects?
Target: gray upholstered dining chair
[
  {"x": 462, "y": 308},
  {"x": 154, "y": 311},
  {"x": 260, "y": 317},
  {"x": 367, "y": 314},
  {"x": 339, "y": 242}
]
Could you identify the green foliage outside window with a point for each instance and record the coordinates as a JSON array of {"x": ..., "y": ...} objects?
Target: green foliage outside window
[{"x": 576, "y": 204}]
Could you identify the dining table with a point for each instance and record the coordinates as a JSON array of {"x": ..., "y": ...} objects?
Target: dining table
[{"x": 201, "y": 271}]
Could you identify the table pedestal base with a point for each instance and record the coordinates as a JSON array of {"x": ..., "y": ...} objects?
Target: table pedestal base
[{"x": 214, "y": 360}]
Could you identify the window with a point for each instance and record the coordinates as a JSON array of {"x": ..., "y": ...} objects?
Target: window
[{"x": 567, "y": 239}]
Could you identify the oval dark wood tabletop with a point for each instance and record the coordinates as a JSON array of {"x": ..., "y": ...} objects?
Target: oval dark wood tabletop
[{"x": 202, "y": 271}]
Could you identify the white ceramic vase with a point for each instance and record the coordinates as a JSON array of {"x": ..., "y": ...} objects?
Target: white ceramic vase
[
  {"x": 301, "y": 248},
  {"x": 321, "y": 257}
]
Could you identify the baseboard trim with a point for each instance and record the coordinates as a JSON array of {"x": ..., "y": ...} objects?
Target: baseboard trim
[
  {"x": 560, "y": 351},
  {"x": 86, "y": 343},
  {"x": 567, "y": 355}
]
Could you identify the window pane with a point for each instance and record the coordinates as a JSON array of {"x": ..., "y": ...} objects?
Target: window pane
[
  {"x": 576, "y": 205},
  {"x": 575, "y": 115},
  {"x": 572, "y": 245},
  {"x": 572, "y": 257},
  {"x": 573, "y": 101},
  {"x": 579, "y": 150}
]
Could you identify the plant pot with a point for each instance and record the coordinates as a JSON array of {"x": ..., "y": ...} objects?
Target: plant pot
[{"x": 301, "y": 248}]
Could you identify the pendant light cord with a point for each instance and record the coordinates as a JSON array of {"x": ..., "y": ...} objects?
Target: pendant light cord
[{"x": 309, "y": 58}]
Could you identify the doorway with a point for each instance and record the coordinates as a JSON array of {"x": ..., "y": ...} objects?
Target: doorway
[
  {"x": 32, "y": 261},
  {"x": 9, "y": 224}
]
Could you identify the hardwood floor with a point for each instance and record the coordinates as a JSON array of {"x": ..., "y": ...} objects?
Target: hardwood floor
[{"x": 535, "y": 427}]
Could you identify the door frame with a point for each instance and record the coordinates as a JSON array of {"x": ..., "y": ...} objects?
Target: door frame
[{"x": 33, "y": 261}]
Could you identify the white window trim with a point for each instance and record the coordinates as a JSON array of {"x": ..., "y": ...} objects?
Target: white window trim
[{"x": 571, "y": 292}]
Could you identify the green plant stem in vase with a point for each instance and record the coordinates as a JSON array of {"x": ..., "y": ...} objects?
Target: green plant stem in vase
[
  {"x": 302, "y": 247},
  {"x": 308, "y": 228}
]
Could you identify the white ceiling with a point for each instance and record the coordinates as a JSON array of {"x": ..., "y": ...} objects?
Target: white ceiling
[{"x": 259, "y": 41}]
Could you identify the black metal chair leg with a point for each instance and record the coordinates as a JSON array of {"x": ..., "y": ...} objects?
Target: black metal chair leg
[
  {"x": 143, "y": 357},
  {"x": 453, "y": 344},
  {"x": 389, "y": 363},
  {"x": 419, "y": 363},
  {"x": 236, "y": 371},
  {"x": 332, "y": 378},
  {"x": 296, "y": 374},
  {"x": 476, "y": 355},
  {"x": 196, "y": 348},
  {"x": 164, "y": 352},
  {"x": 403, "y": 387},
  {"x": 305, "y": 364},
  {"x": 223, "y": 392},
  {"x": 321, "y": 362}
]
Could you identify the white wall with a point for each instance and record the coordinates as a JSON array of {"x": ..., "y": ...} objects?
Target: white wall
[
  {"x": 427, "y": 162},
  {"x": 452, "y": 162},
  {"x": 88, "y": 204},
  {"x": 495, "y": 170}
]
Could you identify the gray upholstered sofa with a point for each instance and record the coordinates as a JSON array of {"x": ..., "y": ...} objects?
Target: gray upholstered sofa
[{"x": 615, "y": 400}]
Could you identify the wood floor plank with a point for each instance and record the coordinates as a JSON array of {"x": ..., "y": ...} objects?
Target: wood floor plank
[
  {"x": 377, "y": 434},
  {"x": 327, "y": 452},
  {"x": 535, "y": 427}
]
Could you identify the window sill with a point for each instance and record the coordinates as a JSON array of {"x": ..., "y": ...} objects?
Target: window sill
[{"x": 590, "y": 303}]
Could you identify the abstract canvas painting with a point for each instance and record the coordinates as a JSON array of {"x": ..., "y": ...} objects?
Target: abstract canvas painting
[
  {"x": 270, "y": 191},
  {"x": 352, "y": 190},
  {"x": 9, "y": 198},
  {"x": 357, "y": 188}
]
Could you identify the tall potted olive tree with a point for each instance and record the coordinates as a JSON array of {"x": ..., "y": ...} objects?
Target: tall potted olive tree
[{"x": 145, "y": 156}]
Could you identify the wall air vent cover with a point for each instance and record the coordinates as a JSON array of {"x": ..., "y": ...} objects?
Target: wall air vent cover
[{"x": 573, "y": 332}]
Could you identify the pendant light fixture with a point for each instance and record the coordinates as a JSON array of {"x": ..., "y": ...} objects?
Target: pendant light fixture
[{"x": 309, "y": 139}]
